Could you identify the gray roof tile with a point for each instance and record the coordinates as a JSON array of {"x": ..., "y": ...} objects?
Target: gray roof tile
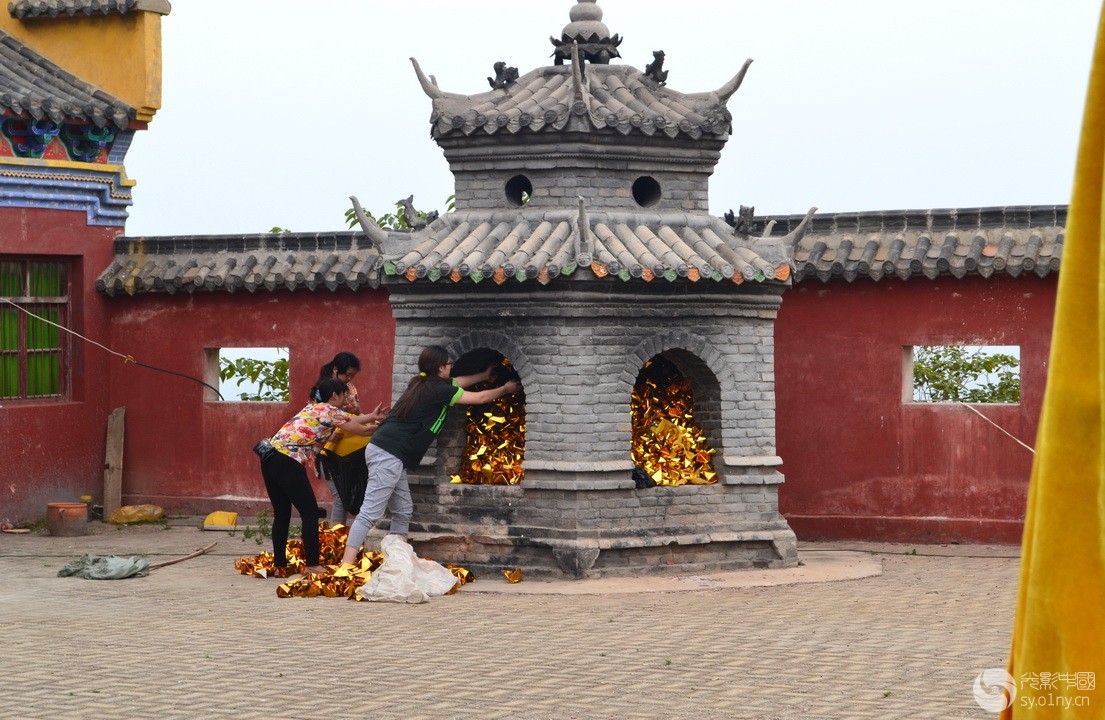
[
  {"x": 528, "y": 245},
  {"x": 932, "y": 243},
  {"x": 229, "y": 263},
  {"x": 27, "y": 9},
  {"x": 612, "y": 96},
  {"x": 542, "y": 245},
  {"x": 32, "y": 85}
]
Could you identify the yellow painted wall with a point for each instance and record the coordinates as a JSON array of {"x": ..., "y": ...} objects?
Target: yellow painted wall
[{"x": 119, "y": 53}]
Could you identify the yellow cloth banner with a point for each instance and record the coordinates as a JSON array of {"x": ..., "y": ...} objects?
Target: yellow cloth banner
[{"x": 1058, "y": 650}]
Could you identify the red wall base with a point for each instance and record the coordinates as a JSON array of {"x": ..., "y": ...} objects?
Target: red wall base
[{"x": 899, "y": 529}]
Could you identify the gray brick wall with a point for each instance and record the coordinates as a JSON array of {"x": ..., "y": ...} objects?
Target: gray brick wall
[
  {"x": 578, "y": 348},
  {"x": 579, "y": 355},
  {"x": 602, "y": 169}
]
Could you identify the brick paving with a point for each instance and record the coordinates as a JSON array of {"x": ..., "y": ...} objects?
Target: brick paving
[{"x": 197, "y": 640}]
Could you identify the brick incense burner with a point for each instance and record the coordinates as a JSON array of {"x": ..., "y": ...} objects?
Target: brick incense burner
[{"x": 581, "y": 248}]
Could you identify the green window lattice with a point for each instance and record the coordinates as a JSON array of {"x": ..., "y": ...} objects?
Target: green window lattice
[{"x": 32, "y": 351}]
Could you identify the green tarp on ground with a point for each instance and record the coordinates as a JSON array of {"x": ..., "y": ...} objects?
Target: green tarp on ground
[{"x": 106, "y": 567}]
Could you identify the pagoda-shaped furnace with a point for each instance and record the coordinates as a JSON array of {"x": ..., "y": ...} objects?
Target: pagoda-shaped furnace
[{"x": 581, "y": 248}]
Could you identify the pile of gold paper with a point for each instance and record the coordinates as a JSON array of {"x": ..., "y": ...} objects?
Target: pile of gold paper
[
  {"x": 331, "y": 541},
  {"x": 666, "y": 442},
  {"x": 340, "y": 580},
  {"x": 496, "y": 441}
]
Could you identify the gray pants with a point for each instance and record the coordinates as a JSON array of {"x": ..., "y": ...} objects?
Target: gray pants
[
  {"x": 387, "y": 489},
  {"x": 337, "y": 510}
]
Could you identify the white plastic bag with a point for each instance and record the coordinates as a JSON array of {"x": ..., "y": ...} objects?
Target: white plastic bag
[{"x": 405, "y": 577}]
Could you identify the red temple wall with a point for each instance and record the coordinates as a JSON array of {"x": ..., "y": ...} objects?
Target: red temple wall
[
  {"x": 192, "y": 454},
  {"x": 862, "y": 464},
  {"x": 859, "y": 463},
  {"x": 54, "y": 449}
]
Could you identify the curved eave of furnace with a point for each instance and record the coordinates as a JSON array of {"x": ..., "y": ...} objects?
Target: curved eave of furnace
[
  {"x": 250, "y": 263},
  {"x": 619, "y": 97},
  {"x": 1013, "y": 241},
  {"x": 522, "y": 246}
]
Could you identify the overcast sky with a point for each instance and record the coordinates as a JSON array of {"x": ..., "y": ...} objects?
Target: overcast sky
[{"x": 276, "y": 111}]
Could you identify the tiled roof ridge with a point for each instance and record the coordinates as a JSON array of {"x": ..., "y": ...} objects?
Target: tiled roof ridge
[
  {"x": 31, "y": 83},
  {"x": 1010, "y": 240},
  {"x": 540, "y": 244},
  {"x": 617, "y": 97},
  {"x": 921, "y": 219},
  {"x": 23, "y": 9},
  {"x": 239, "y": 242},
  {"x": 269, "y": 261},
  {"x": 500, "y": 246}
]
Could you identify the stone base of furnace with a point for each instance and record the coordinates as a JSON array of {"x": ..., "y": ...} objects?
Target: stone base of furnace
[{"x": 557, "y": 531}]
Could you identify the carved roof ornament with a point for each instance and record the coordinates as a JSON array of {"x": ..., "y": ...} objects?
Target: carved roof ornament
[
  {"x": 375, "y": 234},
  {"x": 741, "y": 224},
  {"x": 503, "y": 76},
  {"x": 655, "y": 69},
  {"x": 588, "y": 31},
  {"x": 416, "y": 221},
  {"x": 788, "y": 240}
]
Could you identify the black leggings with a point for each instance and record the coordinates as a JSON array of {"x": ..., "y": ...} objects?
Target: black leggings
[{"x": 287, "y": 483}]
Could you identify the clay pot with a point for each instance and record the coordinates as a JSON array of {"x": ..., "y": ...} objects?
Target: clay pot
[{"x": 66, "y": 519}]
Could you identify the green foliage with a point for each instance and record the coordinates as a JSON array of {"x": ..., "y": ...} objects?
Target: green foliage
[
  {"x": 37, "y": 525},
  {"x": 270, "y": 376},
  {"x": 263, "y": 530},
  {"x": 395, "y": 220},
  {"x": 276, "y": 229},
  {"x": 954, "y": 373}
]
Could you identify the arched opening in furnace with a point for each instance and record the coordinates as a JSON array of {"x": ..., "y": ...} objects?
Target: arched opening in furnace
[
  {"x": 494, "y": 433},
  {"x": 671, "y": 436}
]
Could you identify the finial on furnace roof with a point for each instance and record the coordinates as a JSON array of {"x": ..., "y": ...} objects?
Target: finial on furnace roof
[{"x": 586, "y": 28}]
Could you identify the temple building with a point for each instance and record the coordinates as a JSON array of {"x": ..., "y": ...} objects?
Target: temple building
[{"x": 696, "y": 389}]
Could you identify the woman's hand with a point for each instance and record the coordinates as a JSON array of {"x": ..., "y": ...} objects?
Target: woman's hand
[
  {"x": 379, "y": 413},
  {"x": 353, "y": 427},
  {"x": 373, "y": 418}
]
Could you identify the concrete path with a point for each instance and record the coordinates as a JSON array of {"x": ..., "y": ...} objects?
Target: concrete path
[{"x": 869, "y": 631}]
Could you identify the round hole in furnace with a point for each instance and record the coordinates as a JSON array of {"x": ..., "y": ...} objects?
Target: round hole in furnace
[
  {"x": 646, "y": 191},
  {"x": 519, "y": 190}
]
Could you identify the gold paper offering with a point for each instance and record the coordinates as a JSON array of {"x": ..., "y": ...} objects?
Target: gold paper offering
[
  {"x": 340, "y": 580},
  {"x": 667, "y": 444},
  {"x": 496, "y": 441}
]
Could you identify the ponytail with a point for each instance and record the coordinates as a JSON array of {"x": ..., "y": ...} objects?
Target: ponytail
[
  {"x": 429, "y": 362},
  {"x": 326, "y": 389}
]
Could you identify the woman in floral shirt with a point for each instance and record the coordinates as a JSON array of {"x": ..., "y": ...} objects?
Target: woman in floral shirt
[{"x": 285, "y": 471}]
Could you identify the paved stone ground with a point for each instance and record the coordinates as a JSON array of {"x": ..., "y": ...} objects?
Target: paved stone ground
[{"x": 197, "y": 640}]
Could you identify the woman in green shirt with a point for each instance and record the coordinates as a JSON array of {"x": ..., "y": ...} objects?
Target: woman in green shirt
[{"x": 405, "y": 435}]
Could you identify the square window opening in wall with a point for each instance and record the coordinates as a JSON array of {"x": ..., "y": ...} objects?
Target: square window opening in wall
[
  {"x": 248, "y": 374},
  {"x": 962, "y": 373}
]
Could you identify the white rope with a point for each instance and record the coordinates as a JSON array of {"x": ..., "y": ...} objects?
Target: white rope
[
  {"x": 126, "y": 358},
  {"x": 999, "y": 427}
]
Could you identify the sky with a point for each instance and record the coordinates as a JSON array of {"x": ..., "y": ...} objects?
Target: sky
[{"x": 274, "y": 112}]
